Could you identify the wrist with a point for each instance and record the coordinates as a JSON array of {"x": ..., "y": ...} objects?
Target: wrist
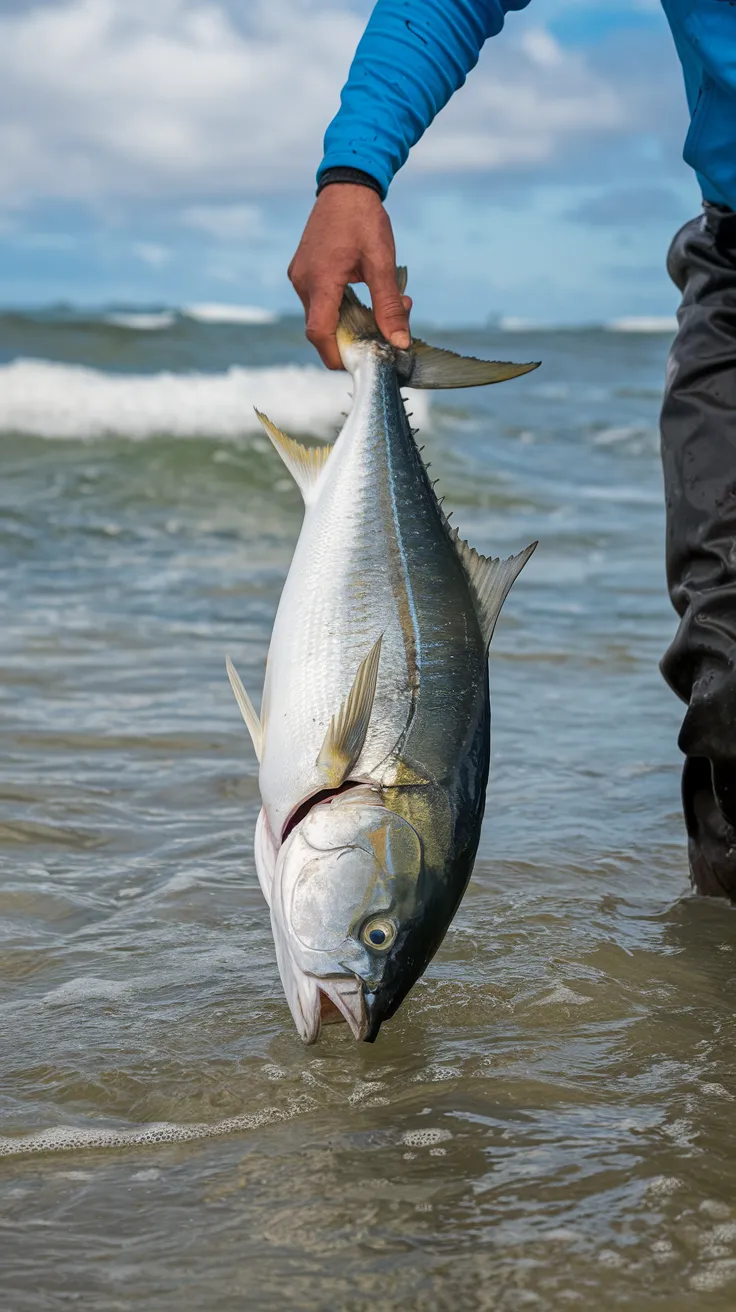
[{"x": 346, "y": 175}]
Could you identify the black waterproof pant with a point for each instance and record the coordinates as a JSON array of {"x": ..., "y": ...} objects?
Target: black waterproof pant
[{"x": 699, "y": 459}]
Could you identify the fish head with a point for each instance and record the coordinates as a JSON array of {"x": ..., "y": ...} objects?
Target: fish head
[{"x": 348, "y": 899}]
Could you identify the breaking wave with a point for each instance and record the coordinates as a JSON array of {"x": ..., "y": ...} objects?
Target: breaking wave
[
  {"x": 228, "y": 314},
  {"x": 39, "y": 398}
]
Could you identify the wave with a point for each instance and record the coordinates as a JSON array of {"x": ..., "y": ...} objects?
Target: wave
[
  {"x": 643, "y": 323},
  {"x": 632, "y": 323},
  {"x": 211, "y": 313},
  {"x": 511, "y": 323},
  {"x": 39, "y": 398},
  {"x": 141, "y": 322}
]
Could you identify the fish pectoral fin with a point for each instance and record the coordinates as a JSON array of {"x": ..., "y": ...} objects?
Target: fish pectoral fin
[
  {"x": 347, "y": 730},
  {"x": 430, "y": 366},
  {"x": 247, "y": 709},
  {"x": 490, "y": 581},
  {"x": 305, "y": 463}
]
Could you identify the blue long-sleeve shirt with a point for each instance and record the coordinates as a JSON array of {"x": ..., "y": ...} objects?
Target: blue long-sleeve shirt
[{"x": 415, "y": 53}]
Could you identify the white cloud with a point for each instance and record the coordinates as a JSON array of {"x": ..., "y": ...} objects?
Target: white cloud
[
  {"x": 152, "y": 254},
  {"x": 111, "y": 102},
  {"x": 166, "y": 98},
  {"x": 542, "y": 48},
  {"x": 526, "y": 101},
  {"x": 225, "y": 222}
]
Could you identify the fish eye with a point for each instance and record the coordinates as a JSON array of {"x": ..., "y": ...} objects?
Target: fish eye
[{"x": 379, "y": 934}]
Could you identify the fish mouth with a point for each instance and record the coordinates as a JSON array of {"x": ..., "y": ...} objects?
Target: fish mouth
[
  {"x": 325, "y": 1000},
  {"x": 343, "y": 998}
]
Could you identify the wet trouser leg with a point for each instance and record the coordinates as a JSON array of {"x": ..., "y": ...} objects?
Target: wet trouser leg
[{"x": 699, "y": 459}]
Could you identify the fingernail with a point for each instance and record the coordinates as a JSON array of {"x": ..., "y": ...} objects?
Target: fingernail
[{"x": 402, "y": 340}]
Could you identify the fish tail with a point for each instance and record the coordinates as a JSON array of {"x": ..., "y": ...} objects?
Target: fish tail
[{"x": 421, "y": 365}]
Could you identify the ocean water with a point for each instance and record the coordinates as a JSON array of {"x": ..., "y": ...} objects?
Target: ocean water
[{"x": 548, "y": 1122}]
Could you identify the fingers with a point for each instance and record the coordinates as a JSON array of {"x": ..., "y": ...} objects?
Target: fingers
[
  {"x": 390, "y": 308},
  {"x": 323, "y": 310},
  {"x": 348, "y": 238}
]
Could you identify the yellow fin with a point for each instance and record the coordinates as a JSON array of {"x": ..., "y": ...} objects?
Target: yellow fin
[
  {"x": 247, "y": 709},
  {"x": 490, "y": 580},
  {"x": 305, "y": 463},
  {"x": 347, "y": 730}
]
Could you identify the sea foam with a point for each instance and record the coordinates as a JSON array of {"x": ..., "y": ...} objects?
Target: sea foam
[
  {"x": 66, "y": 1138},
  {"x": 44, "y": 399}
]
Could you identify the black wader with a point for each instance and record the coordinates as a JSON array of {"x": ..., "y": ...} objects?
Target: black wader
[{"x": 699, "y": 459}]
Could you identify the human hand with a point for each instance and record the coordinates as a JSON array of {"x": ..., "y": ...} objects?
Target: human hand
[{"x": 348, "y": 238}]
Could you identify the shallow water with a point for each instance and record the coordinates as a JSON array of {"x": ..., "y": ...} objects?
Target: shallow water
[{"x": 547, "y": 1123}]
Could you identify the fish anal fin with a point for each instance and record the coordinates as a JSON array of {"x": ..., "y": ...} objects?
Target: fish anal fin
[
  {"x": 490, "y": 580},
  {"x": 430, "y": 367},
  {"x": 346, "y": 733},
  {"x": 247, "y": 709},
  {"x": 305, "y": 463}
]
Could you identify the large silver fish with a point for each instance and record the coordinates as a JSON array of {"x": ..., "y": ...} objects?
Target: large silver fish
[{"x": 374, "y": 734}]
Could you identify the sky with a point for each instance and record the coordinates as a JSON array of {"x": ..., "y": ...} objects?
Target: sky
[{"x": 162, "y": 152}]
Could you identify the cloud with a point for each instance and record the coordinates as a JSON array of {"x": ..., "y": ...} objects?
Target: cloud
[
  {"x": 195, "y": 104},
  {"x": 151, "y": 253},
  {"x": 101, "y": 100},
  {"x": 225, "y": 222},
  {"x": 520, "y": 107},
  {"x": 166, "y": 149}
]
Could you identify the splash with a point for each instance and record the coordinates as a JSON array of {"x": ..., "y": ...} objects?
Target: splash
[{"x": 40, "y": 398}]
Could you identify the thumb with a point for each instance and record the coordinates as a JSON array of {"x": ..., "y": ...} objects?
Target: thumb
[{"x": 390, "y": 308}]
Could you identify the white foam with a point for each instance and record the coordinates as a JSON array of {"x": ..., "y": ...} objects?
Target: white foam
[
  {"x": 644, "y": 323},
  {"x": 44, "y": 399},
  {"x": 65, "y": 1138},
  {"x": 424, "y": 1138},
  {"x": 214, "y": 313},
  {"x": 143, "y": 323}
]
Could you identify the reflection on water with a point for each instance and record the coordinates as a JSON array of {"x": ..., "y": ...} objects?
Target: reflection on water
[{"x": 548, "y": 1120}]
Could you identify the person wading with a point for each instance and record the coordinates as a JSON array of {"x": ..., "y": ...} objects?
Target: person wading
[{"x": 413, "y": 55}]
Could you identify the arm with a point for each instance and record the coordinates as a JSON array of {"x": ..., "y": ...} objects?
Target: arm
[{"x": 413, "y": 55}]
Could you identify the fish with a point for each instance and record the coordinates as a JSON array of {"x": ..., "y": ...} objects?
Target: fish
[{"x": 373, "y": 738}]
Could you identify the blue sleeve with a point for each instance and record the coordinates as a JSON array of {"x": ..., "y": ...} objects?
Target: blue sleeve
[{"x": 413, "y": 55}]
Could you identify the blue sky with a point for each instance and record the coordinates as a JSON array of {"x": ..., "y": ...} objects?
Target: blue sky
[{"x": 163, "y": 152}]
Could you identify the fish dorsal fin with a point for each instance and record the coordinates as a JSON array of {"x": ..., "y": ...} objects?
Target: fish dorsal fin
[
  {"x": 247, "y": 709},
  {"x": 347, "y": 730},
  {"x": 490, "y": 581},
  {"x": 430, "y": 367},
  {"x": 305, "y": 463}
]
